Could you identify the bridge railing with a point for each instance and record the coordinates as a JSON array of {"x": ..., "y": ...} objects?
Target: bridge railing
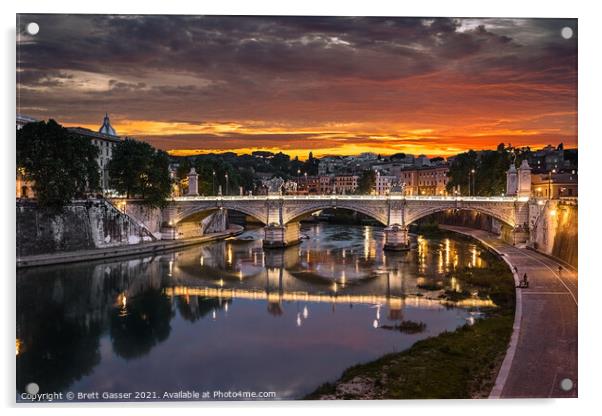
[{"x": 326, "y": 197}]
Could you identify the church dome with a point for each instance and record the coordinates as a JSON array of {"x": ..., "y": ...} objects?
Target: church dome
[{"x": 106, "y": 127}]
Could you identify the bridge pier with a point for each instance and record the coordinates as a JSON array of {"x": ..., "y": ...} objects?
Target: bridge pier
[
  {"x": 280, "y": 236},
  {"x": 396, "y": 238}
]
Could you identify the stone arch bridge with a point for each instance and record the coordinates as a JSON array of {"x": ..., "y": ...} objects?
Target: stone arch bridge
[{"x": 281, "y": 214}]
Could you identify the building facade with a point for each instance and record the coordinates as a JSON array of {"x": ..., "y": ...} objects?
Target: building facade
[
  {"x": 384, "y": 183},
  {"x": 430, "y": 180},
  {"x": 345, "y": 184},
  {"x": 554, "y": 185}
]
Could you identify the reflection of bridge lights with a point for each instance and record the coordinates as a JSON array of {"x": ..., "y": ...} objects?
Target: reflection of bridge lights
[
  {"x": 226, "y": 306},
  {"x": 334, "y": 287},
  {"x": 377, "y": 311},
  {"x": 229, "y": 254},
  {"x": 447, "y": 250},
  {"x": 122, "y": 302},
  {"x": 213, "y": 315},
  {"x": 298, "y": 319},
  {"x": 305, "y": 312},
  {"x": 375, "y": 324},
  {"x": 455, "y": 285},
  {"x": 298, "y": 296},
  {"x": 202, "y": 261},
  {"x": 170, "y": 268}
]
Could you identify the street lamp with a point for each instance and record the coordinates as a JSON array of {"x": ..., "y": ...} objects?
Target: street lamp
[
  {"x": 298, "y": 173},
  {"x": 306, "y": 184},
  {"x": 550, "y": 183},
  {"x": 213, "y": 182},
  {"x": 226, "y": 184},
  {"x": 474, "y": 191}
]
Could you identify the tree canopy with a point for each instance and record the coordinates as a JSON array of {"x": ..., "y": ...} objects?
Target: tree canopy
[
  {"x": 139, "y": 170},
  {"x": 366, "y": 182},
  {"x": 489, "y": 177},
  {"x": 62, "y": 165}
]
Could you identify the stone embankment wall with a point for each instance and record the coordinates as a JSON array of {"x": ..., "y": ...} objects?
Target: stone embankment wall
[
  {"x": 554, "y": 230},
  {"x": 83, "y": 224},
  {"x": 151, "y": 218}
]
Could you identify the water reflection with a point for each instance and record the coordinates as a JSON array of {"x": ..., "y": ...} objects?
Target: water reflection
[{"x": 228, "y": 315}]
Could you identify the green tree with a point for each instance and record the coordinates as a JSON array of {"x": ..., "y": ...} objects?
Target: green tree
[
  {"x": 158, "y": 186},
  {"x": 366, "y": 182},
  {"x": 138, "y": 170},
  {"x": 61, "y": 165},
  {"x": 489, "y": 177},
  {"x": 206, "y": 167},
  {"x": 459, "y": 171}
]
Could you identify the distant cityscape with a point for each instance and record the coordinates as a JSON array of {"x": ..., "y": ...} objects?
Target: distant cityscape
[{"x": 554, "y": 170}]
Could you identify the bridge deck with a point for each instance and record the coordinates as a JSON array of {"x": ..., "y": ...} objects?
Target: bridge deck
[
  {"x": 352, "y": 197},
  {"x": 545, "y": 351}
]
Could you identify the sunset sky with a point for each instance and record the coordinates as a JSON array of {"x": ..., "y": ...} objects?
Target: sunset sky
[{"x": 196, "y": 84}]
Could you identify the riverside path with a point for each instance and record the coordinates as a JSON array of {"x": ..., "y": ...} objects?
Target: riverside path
[{"x": 542, "y": 354}]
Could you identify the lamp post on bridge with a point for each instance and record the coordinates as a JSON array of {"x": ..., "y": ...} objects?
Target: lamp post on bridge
[
  {"x": 550, "y": 183},
  {"x": 471, "y": 182},
  {"x": 213, "y": 189},
  {"x": 306, "y": 187},
  {"x": 227, "y": 184}
]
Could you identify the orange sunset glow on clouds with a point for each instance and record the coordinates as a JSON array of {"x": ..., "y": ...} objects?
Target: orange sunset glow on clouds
[{"x": 199, "y": 84}]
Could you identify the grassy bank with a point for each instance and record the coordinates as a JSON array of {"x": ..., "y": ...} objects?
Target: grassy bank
[{"x": 459, "y": 364}]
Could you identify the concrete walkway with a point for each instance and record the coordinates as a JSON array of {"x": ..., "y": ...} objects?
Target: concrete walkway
[
  {"x": 543, "y": 349},
  {"x": 121, "y": 251}
]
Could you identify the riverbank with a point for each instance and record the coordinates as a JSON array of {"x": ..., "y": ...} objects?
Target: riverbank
[
  {"x": 122, "y": 251},
  {"x": 459, "y": 364}
]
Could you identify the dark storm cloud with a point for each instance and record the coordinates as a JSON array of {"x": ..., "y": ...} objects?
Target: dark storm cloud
[{"x": 371, "y": 48}]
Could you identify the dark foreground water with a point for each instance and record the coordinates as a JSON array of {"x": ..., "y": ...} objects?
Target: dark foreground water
[{"x": 227, "y": 317}]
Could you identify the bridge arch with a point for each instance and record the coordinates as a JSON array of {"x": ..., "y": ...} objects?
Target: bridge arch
[
  {"x": 379, "y": 214},
  {"x": 501, "y": 215},
  {"x": 193, "y": 211}
]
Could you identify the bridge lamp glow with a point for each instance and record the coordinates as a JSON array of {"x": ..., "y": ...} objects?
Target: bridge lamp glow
[{"x": 553, "y": 213}]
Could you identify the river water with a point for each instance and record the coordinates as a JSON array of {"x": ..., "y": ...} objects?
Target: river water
[{"x": 230, "y": 317}]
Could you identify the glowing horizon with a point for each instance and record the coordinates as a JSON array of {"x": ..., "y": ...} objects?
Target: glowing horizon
[{"x": 330, "y": 85}]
